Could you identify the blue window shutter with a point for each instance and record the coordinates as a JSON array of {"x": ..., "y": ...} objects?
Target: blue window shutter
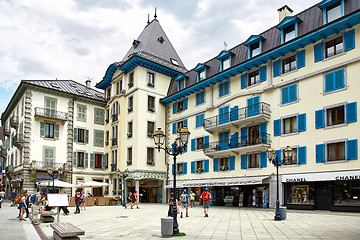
[
  {"x": 173, "y": 169},
  {"x": 202, "y": 118},
  {"x": 300, "y": 59},
  {"x": 284, "y": 95},
  {"x": 206, "y": 142},
  {"x": 243, "y": 161},
  {"x": 185, "y": 168},
  {"x": 263, "y": 131},
  {"x": 320, "y": 153},
  {"x": 263, "y": 73},
  {"x": 277, "y": 127},
  {"x": 185, "y": 123},
  {"x": 301, "y": 122},
  {"x": 232, "y": 163},
  {"x": 216, "y": 164},
  {"x": 302, "y": 155},
  {"x": 352, "y": 149},
  {"x": 319, "y": 118},
  {"x": 351, "y": 112},
  {"x": 278, "y": 154},
  {"x": 174, "y": 107},
  {"x": 174, "y": 128},
  {"x": 349, "y": 39},
  {"x": 276, "y": 68},
  {"x": 206, "y": 165},
  {"x": 197, "y": 121},
  {"x": 339, "y": 79},
  {"x": 293, "y": 93},
  {"x": 318, "y": 52},
  {"x": 193, "y": 146},
  {"x": 263, "y": 160},
  {"x": 234, "y": 115},
  {"x": 192, "y": 166},
  {"x": 329, "y": 82},
  {"x": 243, "y": 135},
  {"x": 243, "y": 81},
  {"x": 234, "y": 140},
  {"x": 185, "y": 103}
]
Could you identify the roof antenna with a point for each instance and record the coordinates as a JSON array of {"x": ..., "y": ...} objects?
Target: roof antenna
[
  {"x": 148, "y": 19},
  {"x": 225, "y": 45},
  {"x": 155, "y": 16}
]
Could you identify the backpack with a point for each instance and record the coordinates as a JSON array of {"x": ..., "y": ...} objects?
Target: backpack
[
  {"x": 206, "y": 196},
  {"x": 18, "y": 200},
  {"x": 33, "y": 198}
]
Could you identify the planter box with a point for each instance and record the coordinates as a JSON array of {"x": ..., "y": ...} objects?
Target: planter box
[{"x": 89, "y": 201}]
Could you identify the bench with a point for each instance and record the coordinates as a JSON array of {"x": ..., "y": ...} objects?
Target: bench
[
  {"x": 66, "y": 231},
  {"x": 228, "y": 200},
  {"x": 47, "y": 216}
]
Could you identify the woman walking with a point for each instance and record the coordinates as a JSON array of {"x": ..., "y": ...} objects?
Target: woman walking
[
  {"x": 171, "y": 201},
  {"x": 23, "y": 205},
  {"x": 82, "y": 202}
]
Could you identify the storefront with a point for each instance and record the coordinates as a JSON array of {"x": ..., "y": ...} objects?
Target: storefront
[{"x": 336, "y": 191}]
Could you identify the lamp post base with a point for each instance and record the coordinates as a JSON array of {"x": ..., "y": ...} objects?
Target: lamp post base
[
  {"x": 277, "y": 211},
  {"x": 175, "y": 223}
]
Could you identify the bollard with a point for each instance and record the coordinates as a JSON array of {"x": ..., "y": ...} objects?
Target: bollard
[{"x": 167, "y": 226}]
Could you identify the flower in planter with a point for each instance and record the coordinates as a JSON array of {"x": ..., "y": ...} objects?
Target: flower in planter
[
  {"x": 107, "y": 120},
  {"x": 151, "y": 109},
  {"x": 129, "y": 109},
  {"x": 114, "y": 192},
  {"x": 129, "y": 134},
  {"x": 179, "y": 109},
  {"x": 223, "y": 168},
  {"x": 150, "y": 162},
  {"x": 129, "y": 162},
  {"x": 130, "y": 84},
  {"x": 150, "y": 84},
  {"x": 199, "y": 170},
  {"x": 106, "y": 143},
  {"x": 150, "y": 135},
  {"x": 119, "y": 192},
  {"x": 113, "y": 164},
  {"x": 179, "y": 172}
]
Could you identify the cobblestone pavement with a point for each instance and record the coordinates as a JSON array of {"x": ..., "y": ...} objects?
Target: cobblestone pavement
[{"x": 114, "y": 222}]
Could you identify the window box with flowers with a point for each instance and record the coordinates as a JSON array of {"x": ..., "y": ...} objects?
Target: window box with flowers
[
  {"x": 180, "y": 109},
  {"x": 114, "y": 192},
  {"x": 129, "y": 162},
  {"x": 106, "y": 143},
  {"x": 130, "y": 109},
  {"x": 108, "y": 99},
  {"x": 224, "y": 168},
  {"x": 199, "y": 170},
  {"x": 179, "y": 172},
  {"x": 106, "y": 192},
  {"x": 151, "y": 109},
  {"x": 150, "y": 84},
  {"x": 130, "y": 84},
  {"x": 107, "y": 120},
  {"x": 113, "y": 164},
  {"x": 150, "y": 163},
  {"x": 129, "y": 135},
  {"x": 150, "y": 135}
]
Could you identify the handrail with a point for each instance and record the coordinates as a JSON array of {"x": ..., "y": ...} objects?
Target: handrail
[{"x": 51, "y": 113}]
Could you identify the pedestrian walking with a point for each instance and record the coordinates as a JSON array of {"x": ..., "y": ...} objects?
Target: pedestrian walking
[
  {"x": 206, "y": 197},
  {"x": 2, "y": 195},
  {"x": 192, "y": 199},
  {"x": 171, "y": 203},
  {"x": 129, "y": 199},
  {"x": 184, "y": 199},
  {"x": 82, "y": 203},
  {"x": 27, "y": 200},
  {"x": 35, "y": 206},
  {"x": 136, "y": 197},
  {"x": 77, "y": 202},
  {"x": 22, "y": 206},
  {"x": 13, "y": 198}
]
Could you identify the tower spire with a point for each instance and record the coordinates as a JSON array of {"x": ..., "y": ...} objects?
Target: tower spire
[{"x": 155, "y": 16}]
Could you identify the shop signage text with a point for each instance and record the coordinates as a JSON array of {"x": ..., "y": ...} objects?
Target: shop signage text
[
  {"x": 296, "y": 180},
  {"x": 347, "y": 178}
]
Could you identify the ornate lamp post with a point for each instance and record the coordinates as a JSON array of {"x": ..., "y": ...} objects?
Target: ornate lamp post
[
  {"x": 276, "y": 161},
  {"x": 124, "y": 175},
  {"x": 176, "y": 149},
  {"x": 51, "y": 172}
]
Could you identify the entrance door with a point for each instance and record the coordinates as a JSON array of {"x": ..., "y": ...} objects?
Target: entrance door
[{"x": 323, "y": 195}]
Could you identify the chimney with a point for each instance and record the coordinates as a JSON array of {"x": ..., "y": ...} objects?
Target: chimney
[
  {"x": 88, "y": 83},
  {"x": 284, "y": 12}
]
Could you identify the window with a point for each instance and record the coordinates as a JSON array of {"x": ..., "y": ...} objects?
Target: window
[
  {"x": 200, "y": 98},
  {"x": 151, "y": 104},
  {"x": 81, "y": 135},
  {"x": 255, "y": 49},
  {"x": 333, "y": 12},
  {"x": 334, "y": 47},
  {"x": 289, "y": 64},
  {"x": 81, "y": 113},
  {"x": 254, "y": 135},
  {"x": 202, "y": 74},
  {"x": 48, "y": 157},
  {"x": 335, "y": 115},
  {"x": 98, "y": 138},
  {"x": 290, "y": 125},
  {"x": 129, "y": 156},
  {"x": 114, "y": 135},
  {"x": 80, "y": 159},
  {"x": 199, "y": 120},
  {"x": 293, "y": 159},
  {"x": 254, "y": 78},
  {"x": 224, "y": 163},
  {"x": 150, "y": 128},
  {"x": 254, "y": 160},
  {"x": 289, "y": 33},
  {"x": 150, "y": 79},
  {"x": 107, "y": 115},
  {"x": 130, "y": 103},
  {"x": 179, "y": 125},
  {"x": 174, "y": 61},
  {"x": 224, "y": 89},
  {"x": 200, "y": 143},
  {"x": 114, "y": 160},
  {"x": 180, "y": 168},
  {"x": 108, "y": 93},
  {"x": 226, "y": 63},
  {"x": 115, "y": 111},
  {"x": 130, "y": 129},
  {"x": 150, "y": 156},
  {"x": 118, "y": 87},
  {"x": 335, "y": 151},
  {"x": 98, "y": 161},
  {"x": 50, "y": 107},
  {"x": 22, "y": 107},
  {"x": 334, "y": 80},
  {"x": 107, "y": 138},
  {"x": 181, "y": 84},
  {"x": 180, "y": 106},
  {"x": 49, "y": 130},
  {"x": 199, "y": 168},
  {"x": 131, "y": 80},
  {"x": 289, "y": 94},
  {"x": 99, "y": 116}
]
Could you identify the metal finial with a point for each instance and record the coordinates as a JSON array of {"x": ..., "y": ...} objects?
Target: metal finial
[
  {"x": 148, "y": 19},
  {"x": 155, "y": 16}
]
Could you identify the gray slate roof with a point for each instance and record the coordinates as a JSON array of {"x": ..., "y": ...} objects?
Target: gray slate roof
[{"x": 68, "y": 86}]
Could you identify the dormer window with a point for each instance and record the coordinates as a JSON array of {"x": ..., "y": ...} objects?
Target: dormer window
[
  {"x": 255, "y": 49},
  {"x": 289, "y": 33},
  {"x": 161, "y": 40},
  {"x": 332, "y": 10},
  {"x": 225, "y": 59},
  {"x": 254, "y": 45},
  {"x": 289, "y": 28},
  {"x": 201, "y": 71},
  {"x": 225, "y": 63},
  {"x": 181, "y": 82},
  {"x": 202, "y": 75}
]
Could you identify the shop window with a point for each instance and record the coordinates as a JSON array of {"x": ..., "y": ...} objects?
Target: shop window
[
  {"x": 224, "y": 164},
  {"x": 293, "y": 160},
  {"x": 255, "y": 49},
  {"x": 335, "y": 151},
  {"x": 290, "y": 125},
  {"x": 150, "y": 160},
  {"x": 254, "y": 78},
  {"x": 335, "y": 115},
  {"x": 289, "y": 64},
  {"x": 289, "y": 33},
  {"x": 347, "y": 193},
  {"x": 150, "y": 128},
  {"x": 334, "y": 47},
  {"x": 254, "y": 160},
  {"x": 300, "y": 194}
]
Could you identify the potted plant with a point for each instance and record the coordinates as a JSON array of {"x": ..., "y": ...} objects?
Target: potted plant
[
  {"x": 106, "y": 143},
  {"x": 129, "y": 134},
  {"x": 129, "y": 162},
  {"x": 129, "y": 109},
  {"x": 180, "y": 109},
  {"x": 114, "y": 192},
  {"x": 107, "y": 120},
  {"x": 151, "y": 109},
  {"x": 223, "y": 168},
  {"x": 149, "y": 134},
  {"x": 106, "y": 192},
  {"x": 199, "y": 170},
  {"x": 150, "y": 84},
  {"x": 130, "y": 84},
  {"x": 150, "y": 162}
]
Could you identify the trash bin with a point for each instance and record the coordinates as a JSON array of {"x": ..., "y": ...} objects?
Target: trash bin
[
  {"x": 167, "y": 226},
  {"x": 282, "y": 213}
]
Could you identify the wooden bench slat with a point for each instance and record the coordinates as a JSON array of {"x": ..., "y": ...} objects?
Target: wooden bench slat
[{"x": 66, "y": 229}]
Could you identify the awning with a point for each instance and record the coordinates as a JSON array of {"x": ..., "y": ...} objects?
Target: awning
[
  {"x": 146, "y": 175},
  {"x": 219, "y": 182}
]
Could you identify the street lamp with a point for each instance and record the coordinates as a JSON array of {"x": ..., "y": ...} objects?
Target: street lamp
[
  {"x": 276, "y": 161},
  {"x": 176, "y": 149},
  {"x": 124, "y": 175},
  {"x": 51, "y": 173}
]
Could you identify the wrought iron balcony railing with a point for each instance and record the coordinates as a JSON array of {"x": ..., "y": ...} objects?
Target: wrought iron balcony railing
[
  {"x": 238, "y": 143},
  {"x": 44, "y": 165},
  {"x": 44, "y": 112},
  {"x": 237, "y": 115}
]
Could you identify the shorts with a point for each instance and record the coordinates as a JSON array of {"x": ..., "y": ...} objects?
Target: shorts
[
  {"x": 206, "y": 204},
  {"x": 184, "y": 205}
]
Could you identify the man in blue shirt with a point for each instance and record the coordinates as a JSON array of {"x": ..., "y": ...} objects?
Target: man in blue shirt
[{"x": 184, "y": 199}]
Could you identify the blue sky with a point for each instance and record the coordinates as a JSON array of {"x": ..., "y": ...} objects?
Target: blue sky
[{"x": 79, "y": 39}]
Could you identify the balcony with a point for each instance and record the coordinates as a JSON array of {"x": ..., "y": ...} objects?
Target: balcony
[
  {"x": 114, "y": 142},
  {"x": 7, "y": 131},
  {"x": 42, "y": 165},
  {"x": 3, "y": 152},
  {"x": 50, "y": 114},
  {"x": 237, "y": 117},
  {"x": 18, "y": 140},
  {"x": 113, "y": 167},
  {"x": 238, "y": 145},
  {"x": 114, "y": 117},
  {"x": 14, "y": 121}
]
